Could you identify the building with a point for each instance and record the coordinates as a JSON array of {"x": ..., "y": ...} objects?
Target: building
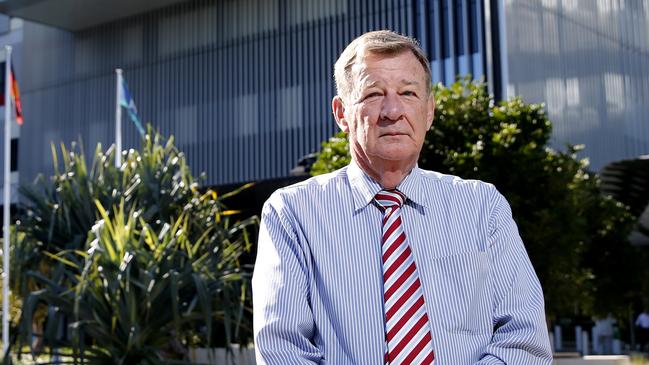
[
  {"x": 245, "y": 85},
  {"x": 589, "y": 62}
]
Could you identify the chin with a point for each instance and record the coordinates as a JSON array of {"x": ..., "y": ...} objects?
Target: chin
[
  {"x": 401, "y": 149},
  {"x": 397, "y": 155}
]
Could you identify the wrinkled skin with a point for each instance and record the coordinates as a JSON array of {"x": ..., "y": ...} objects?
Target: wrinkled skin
[{"x": 387, "y": 115}]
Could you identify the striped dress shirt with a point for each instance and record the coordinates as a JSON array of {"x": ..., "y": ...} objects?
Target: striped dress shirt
[{"x": 318, "y": 280}]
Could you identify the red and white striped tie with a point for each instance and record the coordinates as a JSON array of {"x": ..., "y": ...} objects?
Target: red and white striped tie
[{"x": 407, "y": 329}]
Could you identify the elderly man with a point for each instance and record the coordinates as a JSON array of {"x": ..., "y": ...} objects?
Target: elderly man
[{"x": 382, "y": 262}]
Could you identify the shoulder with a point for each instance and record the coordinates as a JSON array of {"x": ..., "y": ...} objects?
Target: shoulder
[
  {"x": 455, "y": 184},
  {"x": 476, "y": 197},
  {"x": 309, "y": 189}
]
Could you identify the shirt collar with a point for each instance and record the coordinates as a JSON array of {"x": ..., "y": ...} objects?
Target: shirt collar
[{"x": 364, "y": 188}]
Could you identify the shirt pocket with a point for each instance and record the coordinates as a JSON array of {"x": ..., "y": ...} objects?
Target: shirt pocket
[{"x": 462, "y": 294}]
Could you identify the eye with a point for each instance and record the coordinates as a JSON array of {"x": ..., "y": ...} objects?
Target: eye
[
  {"x": 372, "y": 94},
  {"x": 409, "y": 93}
]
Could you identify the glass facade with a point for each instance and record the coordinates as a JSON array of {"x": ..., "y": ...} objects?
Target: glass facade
[
  {"x": 243, "y": 85},
  {"x": 588, "y": 61}
]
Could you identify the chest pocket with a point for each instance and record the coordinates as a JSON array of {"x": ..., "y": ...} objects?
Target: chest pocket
[{"x": 461, "y": 286}]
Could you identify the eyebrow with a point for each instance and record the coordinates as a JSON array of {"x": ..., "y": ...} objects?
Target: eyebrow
[
  {"x": 369, "y": 84},
  {"x": 409, "y": 82},
  {"x": 403, "y": 81}
]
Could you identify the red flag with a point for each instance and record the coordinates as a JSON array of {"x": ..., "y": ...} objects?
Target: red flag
[{"x": 15, "y": 94}]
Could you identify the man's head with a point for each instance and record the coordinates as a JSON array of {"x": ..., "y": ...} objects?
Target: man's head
[
  {"x": 380, "y": 42},
  {"x": 384, "y": 101}
]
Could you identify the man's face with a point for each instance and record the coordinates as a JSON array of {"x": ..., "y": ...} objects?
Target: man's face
[{"x": 388, "y": 112}]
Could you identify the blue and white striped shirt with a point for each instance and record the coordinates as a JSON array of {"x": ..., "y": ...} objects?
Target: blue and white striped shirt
[{"x": 318, "y": 281}]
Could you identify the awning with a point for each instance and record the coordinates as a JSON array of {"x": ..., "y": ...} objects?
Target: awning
[
  {"x": 75, "y": 15},
  {"x": 628, "y": 182}
]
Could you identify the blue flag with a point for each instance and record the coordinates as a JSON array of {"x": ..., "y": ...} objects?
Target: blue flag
[{"x": 127, "y": 102}]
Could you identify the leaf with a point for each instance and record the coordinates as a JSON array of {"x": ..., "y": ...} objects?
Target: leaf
[{"x": 61, "y": 259}]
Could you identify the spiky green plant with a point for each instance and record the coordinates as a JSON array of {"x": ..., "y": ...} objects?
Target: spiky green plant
[
  {"x": 58, "y": 213},
  {"x": 137, "y": 293},
  {"x": 155, "y": 192}
]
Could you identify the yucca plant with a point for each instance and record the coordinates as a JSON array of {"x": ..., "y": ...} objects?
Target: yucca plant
[
  {"x": 58, "y": 213},
  {"x": 138, "y": 295},
  {"x": 77, "y": 224}
]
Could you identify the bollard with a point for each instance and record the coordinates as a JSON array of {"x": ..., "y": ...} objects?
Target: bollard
[
  {"x": 578, "y": 340},
  {"x": 551, "y": 336},
  {"x": 56, "y": 357},
  {"x": 598, "y": 347},
  {"x": 557, "y": 338},
  {"x": 617, "y": 347},
  {"x": 585, "y": 347}
]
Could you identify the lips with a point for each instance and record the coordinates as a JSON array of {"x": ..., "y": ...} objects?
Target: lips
[{"x": 392, "y": 134}]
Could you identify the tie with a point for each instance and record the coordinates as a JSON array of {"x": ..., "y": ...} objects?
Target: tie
[{"x": 407, "y": 329}]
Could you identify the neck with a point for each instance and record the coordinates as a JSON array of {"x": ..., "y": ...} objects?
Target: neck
[{"x": 388, "y": 174}]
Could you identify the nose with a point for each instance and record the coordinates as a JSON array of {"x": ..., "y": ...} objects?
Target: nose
[{"x": 392, "y": 107}]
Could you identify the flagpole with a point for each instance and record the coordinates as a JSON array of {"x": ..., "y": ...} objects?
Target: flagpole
[
  {"x": 7, "y": 204},
  {"x": 118, "y": 118}
]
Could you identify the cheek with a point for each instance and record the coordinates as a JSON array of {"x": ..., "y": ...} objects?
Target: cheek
[
  {"x": 420, "y": 120},
  {"x": 362, "y": 122}
]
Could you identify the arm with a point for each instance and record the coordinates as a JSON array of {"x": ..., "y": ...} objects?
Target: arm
[
  {"x": 520, "y": 333},
  {"x": 283, "y": 322}
]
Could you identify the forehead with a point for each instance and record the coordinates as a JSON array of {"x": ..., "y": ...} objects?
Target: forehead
[{"x": 378, "y": 67}]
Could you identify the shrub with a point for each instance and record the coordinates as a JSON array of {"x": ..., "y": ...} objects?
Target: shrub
[
  {"x": 137, "y": 262},
  {"x": 564, "y": 220}
]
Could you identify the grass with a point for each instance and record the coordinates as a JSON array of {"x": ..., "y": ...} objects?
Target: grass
[
  {"x": 43, "y": 358},
  {"x": 639, "y": 359}
]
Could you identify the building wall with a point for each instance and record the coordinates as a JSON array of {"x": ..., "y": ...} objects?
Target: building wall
[
  {"x": 244, "y": 86},
  {"x": 588, "y": 60}
]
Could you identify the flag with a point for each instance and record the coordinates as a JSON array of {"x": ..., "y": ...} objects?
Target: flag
[
  {"x": 126, "y": 101},
  {"x": 15, "y": 93}
]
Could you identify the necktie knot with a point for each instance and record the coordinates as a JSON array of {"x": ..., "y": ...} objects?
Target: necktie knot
[{"x": 390, "y": 199}]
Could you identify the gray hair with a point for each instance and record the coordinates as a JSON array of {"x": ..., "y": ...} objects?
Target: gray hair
[{"x": 383, "y": 42}]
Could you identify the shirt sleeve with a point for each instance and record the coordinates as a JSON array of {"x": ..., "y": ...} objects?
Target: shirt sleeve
[
  {"x": 283, "y": 320},
  {"x": 520, "y": 332}
]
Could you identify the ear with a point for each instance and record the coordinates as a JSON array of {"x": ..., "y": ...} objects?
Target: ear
[
  {"x": 430, "y": 114},
  {"x": 338, "y": 108}
]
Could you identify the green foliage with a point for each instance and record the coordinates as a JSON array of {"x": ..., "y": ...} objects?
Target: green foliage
[
  {"x": 137, "y": 295},
  {"x": 58, "y": 213},
  {"x": 334, "y": 155},
  {"x": 139, "y": 261},
  {"x": 571, "y": 231}
]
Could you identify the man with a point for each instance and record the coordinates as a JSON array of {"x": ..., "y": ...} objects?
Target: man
[{"x": 382, "y": 262}]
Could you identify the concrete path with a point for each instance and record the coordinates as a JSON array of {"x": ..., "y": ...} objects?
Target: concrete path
[{"x": 594, "y": 360}]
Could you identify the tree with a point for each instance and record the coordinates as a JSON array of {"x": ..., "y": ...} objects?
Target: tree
[{"x": 562, "y": 217}]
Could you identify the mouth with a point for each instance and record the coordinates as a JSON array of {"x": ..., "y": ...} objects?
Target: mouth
[{"x": 392, "y": 134}]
